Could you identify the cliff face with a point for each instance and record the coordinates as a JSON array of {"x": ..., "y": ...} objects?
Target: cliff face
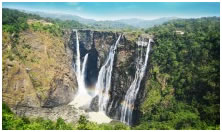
[
  {"x": 97, "y": 45},
  {"x": 37, "y": 71}
]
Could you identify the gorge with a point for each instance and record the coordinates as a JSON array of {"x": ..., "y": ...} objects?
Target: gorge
[
  {"x": 101, "y": 92},
  {"x": 98, "y": 59},
  {"x": 71, "y": 76}
]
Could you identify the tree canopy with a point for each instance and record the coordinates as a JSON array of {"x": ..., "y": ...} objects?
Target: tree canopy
[{"x": 185, "y": 74}]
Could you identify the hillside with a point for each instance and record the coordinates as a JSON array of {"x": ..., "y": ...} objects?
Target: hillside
[
  {"x": 184, "y": 87},
  {"x": 34, "y": 61}
]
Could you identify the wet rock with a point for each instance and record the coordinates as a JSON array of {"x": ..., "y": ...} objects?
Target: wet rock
[
  {"x": 97, "y": 45},
  {"x": 94, "y": 105},
  {"x": 61, "y": 94},
  {"x": 62, "y": 91}
]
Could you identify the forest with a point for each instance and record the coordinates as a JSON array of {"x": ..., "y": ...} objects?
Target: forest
[
  {"x": 183, "y": 88},
  {"x": 189, "y": 64}
]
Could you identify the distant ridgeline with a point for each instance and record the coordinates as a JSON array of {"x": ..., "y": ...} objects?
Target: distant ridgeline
[{"x": 68, "y": 75}]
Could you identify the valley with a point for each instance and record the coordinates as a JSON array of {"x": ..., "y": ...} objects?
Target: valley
[{"x": 71, "y": 73}]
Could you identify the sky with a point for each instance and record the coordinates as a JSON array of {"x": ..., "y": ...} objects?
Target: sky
[{"x": 122, "y": 10}]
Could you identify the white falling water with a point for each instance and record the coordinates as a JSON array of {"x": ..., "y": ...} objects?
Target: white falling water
[
  {"x": 131, "y": 94},
  {"x": 104, "y": 78},
  {"x": 82, "y": 98}
]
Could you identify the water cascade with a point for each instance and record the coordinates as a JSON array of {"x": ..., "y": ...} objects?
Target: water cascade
[
  {"x": 103, "y": 84},
  {"x": 104, "y": 78},
  {"x": 82, "y": 98},
  {"x": 131, "y": 94}
]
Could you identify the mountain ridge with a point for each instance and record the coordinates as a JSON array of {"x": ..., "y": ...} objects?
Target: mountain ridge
[{"x": 119, "y": 23}]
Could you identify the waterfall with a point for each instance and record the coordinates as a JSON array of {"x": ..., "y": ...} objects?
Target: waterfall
[
  {"x": 82, "y": 97},
  {"x": 80, "y": 71},
  {"x": 131, "y": 94},
  {"x": 104, "y": 78},
  {"x": 83, "y": 70}
]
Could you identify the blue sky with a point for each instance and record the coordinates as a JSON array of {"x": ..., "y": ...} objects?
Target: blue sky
[{"x": 117, "y": 10}]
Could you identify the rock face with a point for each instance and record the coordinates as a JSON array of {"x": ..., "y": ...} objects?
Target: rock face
[
  {"x": 60, "y": 93},
  {"x": 123, "y": 75},
  {"x": 97, "y": 45},
  {"x": 37, "y": 71},
  {"x": 94, "y": 104},
  {"x": 20, "y": 90}
]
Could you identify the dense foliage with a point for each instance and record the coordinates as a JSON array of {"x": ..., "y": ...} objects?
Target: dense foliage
[
  {"x": 12, "y": 122},
  {"x": 184, "y": 87},
  {"x": 15, "y": 21}
]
